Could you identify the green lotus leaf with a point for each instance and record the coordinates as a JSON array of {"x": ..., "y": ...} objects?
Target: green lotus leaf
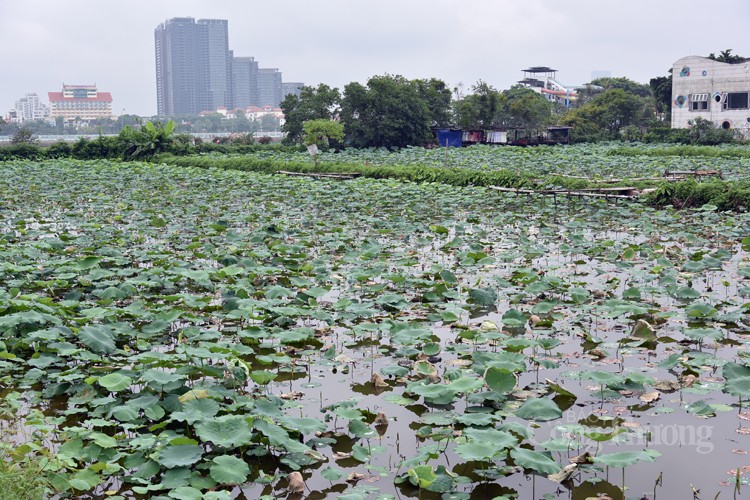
[
  {"x": 228, "y": 469},
  {"x": 540, "y": 410},
  {"x": 161, "y": 377},
  {"x": 228, "y": 431},
  {"x": 700, "y": 310},
  {"x": 425, "y": 368},
  {"x": 333, "y": 473},
  {"x": 103, "y": 440},
  {"x": 483, "y": 297},
  {"x": 478, "y": 450},
  {"x": 686, "y": 292},
  {"x": 176, "y": 478},
  {"x": 279, "y": 437},
  {"x": 115, "y": 382},
  {"x": 431, "y": 348},
  {"x": 196, "y": 410},
  {"x": 738, "y": 386},
  {"x": 478, "y": 419},
  {"x": 732, "y": 370},
  {"x": 421, "y": 476},
  {"x": 703, "y": 333},
  {"x": 626, "y": 458},
  {"x": 436, "y": 393},
  {"x": 262, "y": 377},
  {"x": 359, "y": 429},
  {"x": 514, "y": 318},
  {"x": 560, "y": 390},
  {"x": 604, "y": 378},
  {"x": 466, "y": 385},
  {"x": 533, "y": 460},
  {"x": 303, "y": 425},
  {"x": 99, "y": 339},
  {"x": 700, "y": 408},
  {"x": 394, "y": 370},
  {"x": 500, "y": 379},
  {"x": 501, "y": 439},
  {"x": 217, "y": 495},
  {"x": 186, "y": 493},
  {"x": 180, "y": 456}
]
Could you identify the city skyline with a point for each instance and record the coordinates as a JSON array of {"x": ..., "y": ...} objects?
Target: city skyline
[{"x": 339, "y": 42}]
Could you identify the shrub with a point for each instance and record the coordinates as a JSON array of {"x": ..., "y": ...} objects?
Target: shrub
[
  {"x": 23, "y": 136},
  {"x": 21, "y": 151},
  {"x": 101, "y": 147},
  {"x": 21, "y": 479},
  {"x": 59, "y": 150}
]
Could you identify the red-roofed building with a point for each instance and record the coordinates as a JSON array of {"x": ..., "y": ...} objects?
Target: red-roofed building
[{"x": 80, "y": 102}]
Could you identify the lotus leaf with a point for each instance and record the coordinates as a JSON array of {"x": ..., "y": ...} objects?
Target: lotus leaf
[
  {"x": 539, "y": 409},
  {"x": 626, "y": 458},
  {"x": 227, "y": 469},
  {"x": 533, "y": 460},
  {"x": 180, "y": 456},
  {"x": 228, "y": 431}
]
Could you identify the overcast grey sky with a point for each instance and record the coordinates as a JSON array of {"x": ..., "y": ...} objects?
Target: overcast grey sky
[{"x": 111, "y": 43}]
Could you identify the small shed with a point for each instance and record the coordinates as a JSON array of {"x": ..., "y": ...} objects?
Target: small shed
[
  {"x": 558, "y": 135},
  {"x": 449, "y": 137}
]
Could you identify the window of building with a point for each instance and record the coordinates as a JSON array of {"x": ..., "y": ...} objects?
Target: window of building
[
  {"x": 698, "y": 102},
  {"x": 737, "y": 100}
]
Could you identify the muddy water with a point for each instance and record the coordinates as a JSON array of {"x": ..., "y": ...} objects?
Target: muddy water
[{"x": 695, "y": 451}]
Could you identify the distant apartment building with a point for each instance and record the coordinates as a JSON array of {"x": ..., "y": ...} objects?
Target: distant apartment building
[
  {"x": 196, "y": 72},
  {"x": 219, "y": 61},
  {"x": 29, "y": 108},
  {"x": 193, "y": 66},
  {"x": 258, "y": 112},
  {"x": 82, "y": 102},
  {"x": 269, "y": 87},
  {"x": 712, "y": 90},
  {"x": 245, "y": 82},
  {"x": 294, "y": 88}
]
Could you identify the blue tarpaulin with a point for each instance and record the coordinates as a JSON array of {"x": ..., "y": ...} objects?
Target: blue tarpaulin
[{"x": 450, "y": 138}]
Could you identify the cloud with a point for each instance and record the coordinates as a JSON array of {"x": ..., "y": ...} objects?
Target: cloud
[{"x": 338, "y": 41}]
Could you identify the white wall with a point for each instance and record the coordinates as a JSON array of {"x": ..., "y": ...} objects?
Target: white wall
[{"x": 699, "y": 75}]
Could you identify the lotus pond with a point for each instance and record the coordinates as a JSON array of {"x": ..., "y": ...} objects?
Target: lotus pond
[
  {"x": 595, "y": 161},
  {"x": 188, "y": 333}
]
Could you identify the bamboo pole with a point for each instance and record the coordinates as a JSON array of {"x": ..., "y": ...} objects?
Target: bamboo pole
[
  {"x": 343, "y": 175},
  {"x": 569, "y": 193}
]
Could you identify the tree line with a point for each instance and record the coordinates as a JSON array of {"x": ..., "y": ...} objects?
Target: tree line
[
  {"x": 391, "y": 111},
  {"x": 205, "y": 123}
]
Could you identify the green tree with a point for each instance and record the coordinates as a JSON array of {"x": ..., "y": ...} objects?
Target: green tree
[
  {"x": 322, "y": 132},
  {"x": 388, "y": 112},
  {"x": 437, "y": 95},
  {"x": 152, "y": 138},
  {"x": 526, "y": 108},
  {"x": 321, "y": 102},
  {"x": 626, "y": 84},
  {"x": 482, "y": 108},
  {"x": 726, "y": 56},
  {"x": 24, "y": 135},
  {"x": 269, "y": 123},
  {"x": 661, "y": 87},
  {"x": 606, "y": 113}
]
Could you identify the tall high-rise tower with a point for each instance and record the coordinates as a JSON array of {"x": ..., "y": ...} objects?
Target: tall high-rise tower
[
  {"x": 193, "y": 66},
  {"x": 215, "y": 32},
  {"x": 269, "y": 87},
  {"x": 245, "y": 82}
]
